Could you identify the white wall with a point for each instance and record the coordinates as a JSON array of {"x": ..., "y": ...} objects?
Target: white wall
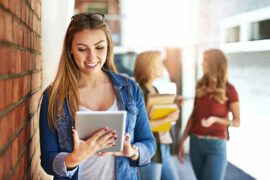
[
  {"x": 55, "y": 17},
  {"x": 244, "y": 20},
  {"x": 155, "y": 22}
]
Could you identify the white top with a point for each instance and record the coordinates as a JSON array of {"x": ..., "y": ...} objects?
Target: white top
[{"x": 98, "y": 167}]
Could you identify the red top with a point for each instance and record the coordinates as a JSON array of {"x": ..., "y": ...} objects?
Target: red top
[{"x": 206, "y": 107}]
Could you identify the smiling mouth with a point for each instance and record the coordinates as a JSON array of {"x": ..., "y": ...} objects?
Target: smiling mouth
[{"x": 91, "y": 65}]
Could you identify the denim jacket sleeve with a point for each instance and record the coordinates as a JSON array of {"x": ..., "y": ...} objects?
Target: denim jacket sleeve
[
  {"x": 143, "y": 136},
  {"x": 52, "y": 159}
]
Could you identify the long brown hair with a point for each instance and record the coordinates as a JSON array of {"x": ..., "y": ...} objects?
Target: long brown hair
[
  {"x": 65, "y": 85},
  {"x": 144, "y": 65},
  {"x": 216, "y": 77}
]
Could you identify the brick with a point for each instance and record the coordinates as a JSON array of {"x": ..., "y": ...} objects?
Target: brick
[
  {"x": 34, "y": 23},
  {"x": 18, "y": 61},
  {"x": 12, "y": 60},
  {"x": 2, "y": 95},
  {"x": 16, "y": 89},
  {"x": 31, "y": 19},
  {"x": 26, "y": 15},
  {"x": 38, "y": 62},
  {"x": 8, "y": 27},
  {"x": 26, "y": 84},
  {"x": 5, "y": 3},
  {"x": 20, "y": 168},
  {"x": 13, "y": 127},
  {"x": 7, "y": 162},
  {"x": 2, "y": 31},
  {"x": 12, "y": 6},
  {"x": 5, "y": 62},
  {"x": 21, "y": 26},
  {"x": 15, "y": 32},
  {"x": 34, "y": 41},
  {"x": 28, "y": 39},
  {"x": 18, "y": 8},
  {"x": 23, "y": 137},
  {"x": 23, "y": 11},
  {"x": 18, "y": 33},
  {"x": 4, "y": 124},
  {"x": 8, "y": 93},
  {"x": 21, "y": 93},
  {"x": 24, "y": 36},
  {"x": 2, "y": 164},
  {"x": 39, "y": 44},
  {"x": 21, "y": 114},
  {"x": 14, "y": 151},
  {"x": 23, "y": 60}
]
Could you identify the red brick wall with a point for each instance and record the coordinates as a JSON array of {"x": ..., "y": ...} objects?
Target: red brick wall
[{"x": 20, "y": 88}]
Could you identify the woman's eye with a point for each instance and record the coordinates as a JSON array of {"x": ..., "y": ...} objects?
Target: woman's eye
[
  {"x": 99, "y": 48},
  {"x": 81, "y": 49}
]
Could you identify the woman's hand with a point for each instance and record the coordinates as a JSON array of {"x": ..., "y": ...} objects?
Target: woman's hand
[
  {"x": 82, "y": 149},
  {"x": 209, "y": 121},
  {"x": 179, "y": 100},
  {"x": 128, "y": 150},
  {"x": 173, "y": 117},
  {"x": 181, "y": 152}
]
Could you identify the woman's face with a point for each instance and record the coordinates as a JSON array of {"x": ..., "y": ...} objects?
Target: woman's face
[
  {"x": 158, "y": 68},
  {"x": 89, "y": 48}
]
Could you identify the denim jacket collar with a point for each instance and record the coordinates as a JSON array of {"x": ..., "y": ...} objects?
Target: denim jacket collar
[{"x": 117, "y": 80}]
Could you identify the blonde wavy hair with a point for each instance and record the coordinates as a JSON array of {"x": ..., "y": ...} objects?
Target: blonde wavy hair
[
  {"x": 216, "y": 78},
  {"x": 144, "y": 65},
  {"x": 65, "y": 85}
]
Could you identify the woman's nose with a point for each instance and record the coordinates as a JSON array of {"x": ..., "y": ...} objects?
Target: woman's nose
[{"x": 91, "y": 54}]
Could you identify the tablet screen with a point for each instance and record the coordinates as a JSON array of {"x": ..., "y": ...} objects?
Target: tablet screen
[{"x": 88, "y": 122}]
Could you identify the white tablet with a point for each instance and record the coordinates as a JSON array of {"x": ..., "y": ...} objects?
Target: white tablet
[{"x": 88, "y": 122}]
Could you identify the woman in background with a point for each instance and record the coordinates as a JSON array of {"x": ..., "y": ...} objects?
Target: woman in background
[
  {"x": 148, "y": 67},
  {"x": 209, "y": 120}
]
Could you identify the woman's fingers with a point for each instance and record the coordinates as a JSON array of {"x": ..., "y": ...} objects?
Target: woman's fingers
[
  {"x": 96, "y": 135},
  {"x": 127, "y": 138},
  {"x": 126, "y": 150},
  {"x": 76, "y": 139},
  {"x": 107, "y": 139},
  {"x": 103, "y": 140}
]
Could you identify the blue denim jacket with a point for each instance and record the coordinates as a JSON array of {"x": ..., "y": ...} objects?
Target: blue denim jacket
[{"x": 55, "y": 144}]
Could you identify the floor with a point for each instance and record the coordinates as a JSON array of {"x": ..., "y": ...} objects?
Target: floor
[{"x": 185, "y": 171}]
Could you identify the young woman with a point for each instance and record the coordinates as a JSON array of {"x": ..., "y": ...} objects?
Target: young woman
[
  {"x": 208, "y": 122},
  {"x": 86, "y": 80},
  {"x": 148, "y": 67}
]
